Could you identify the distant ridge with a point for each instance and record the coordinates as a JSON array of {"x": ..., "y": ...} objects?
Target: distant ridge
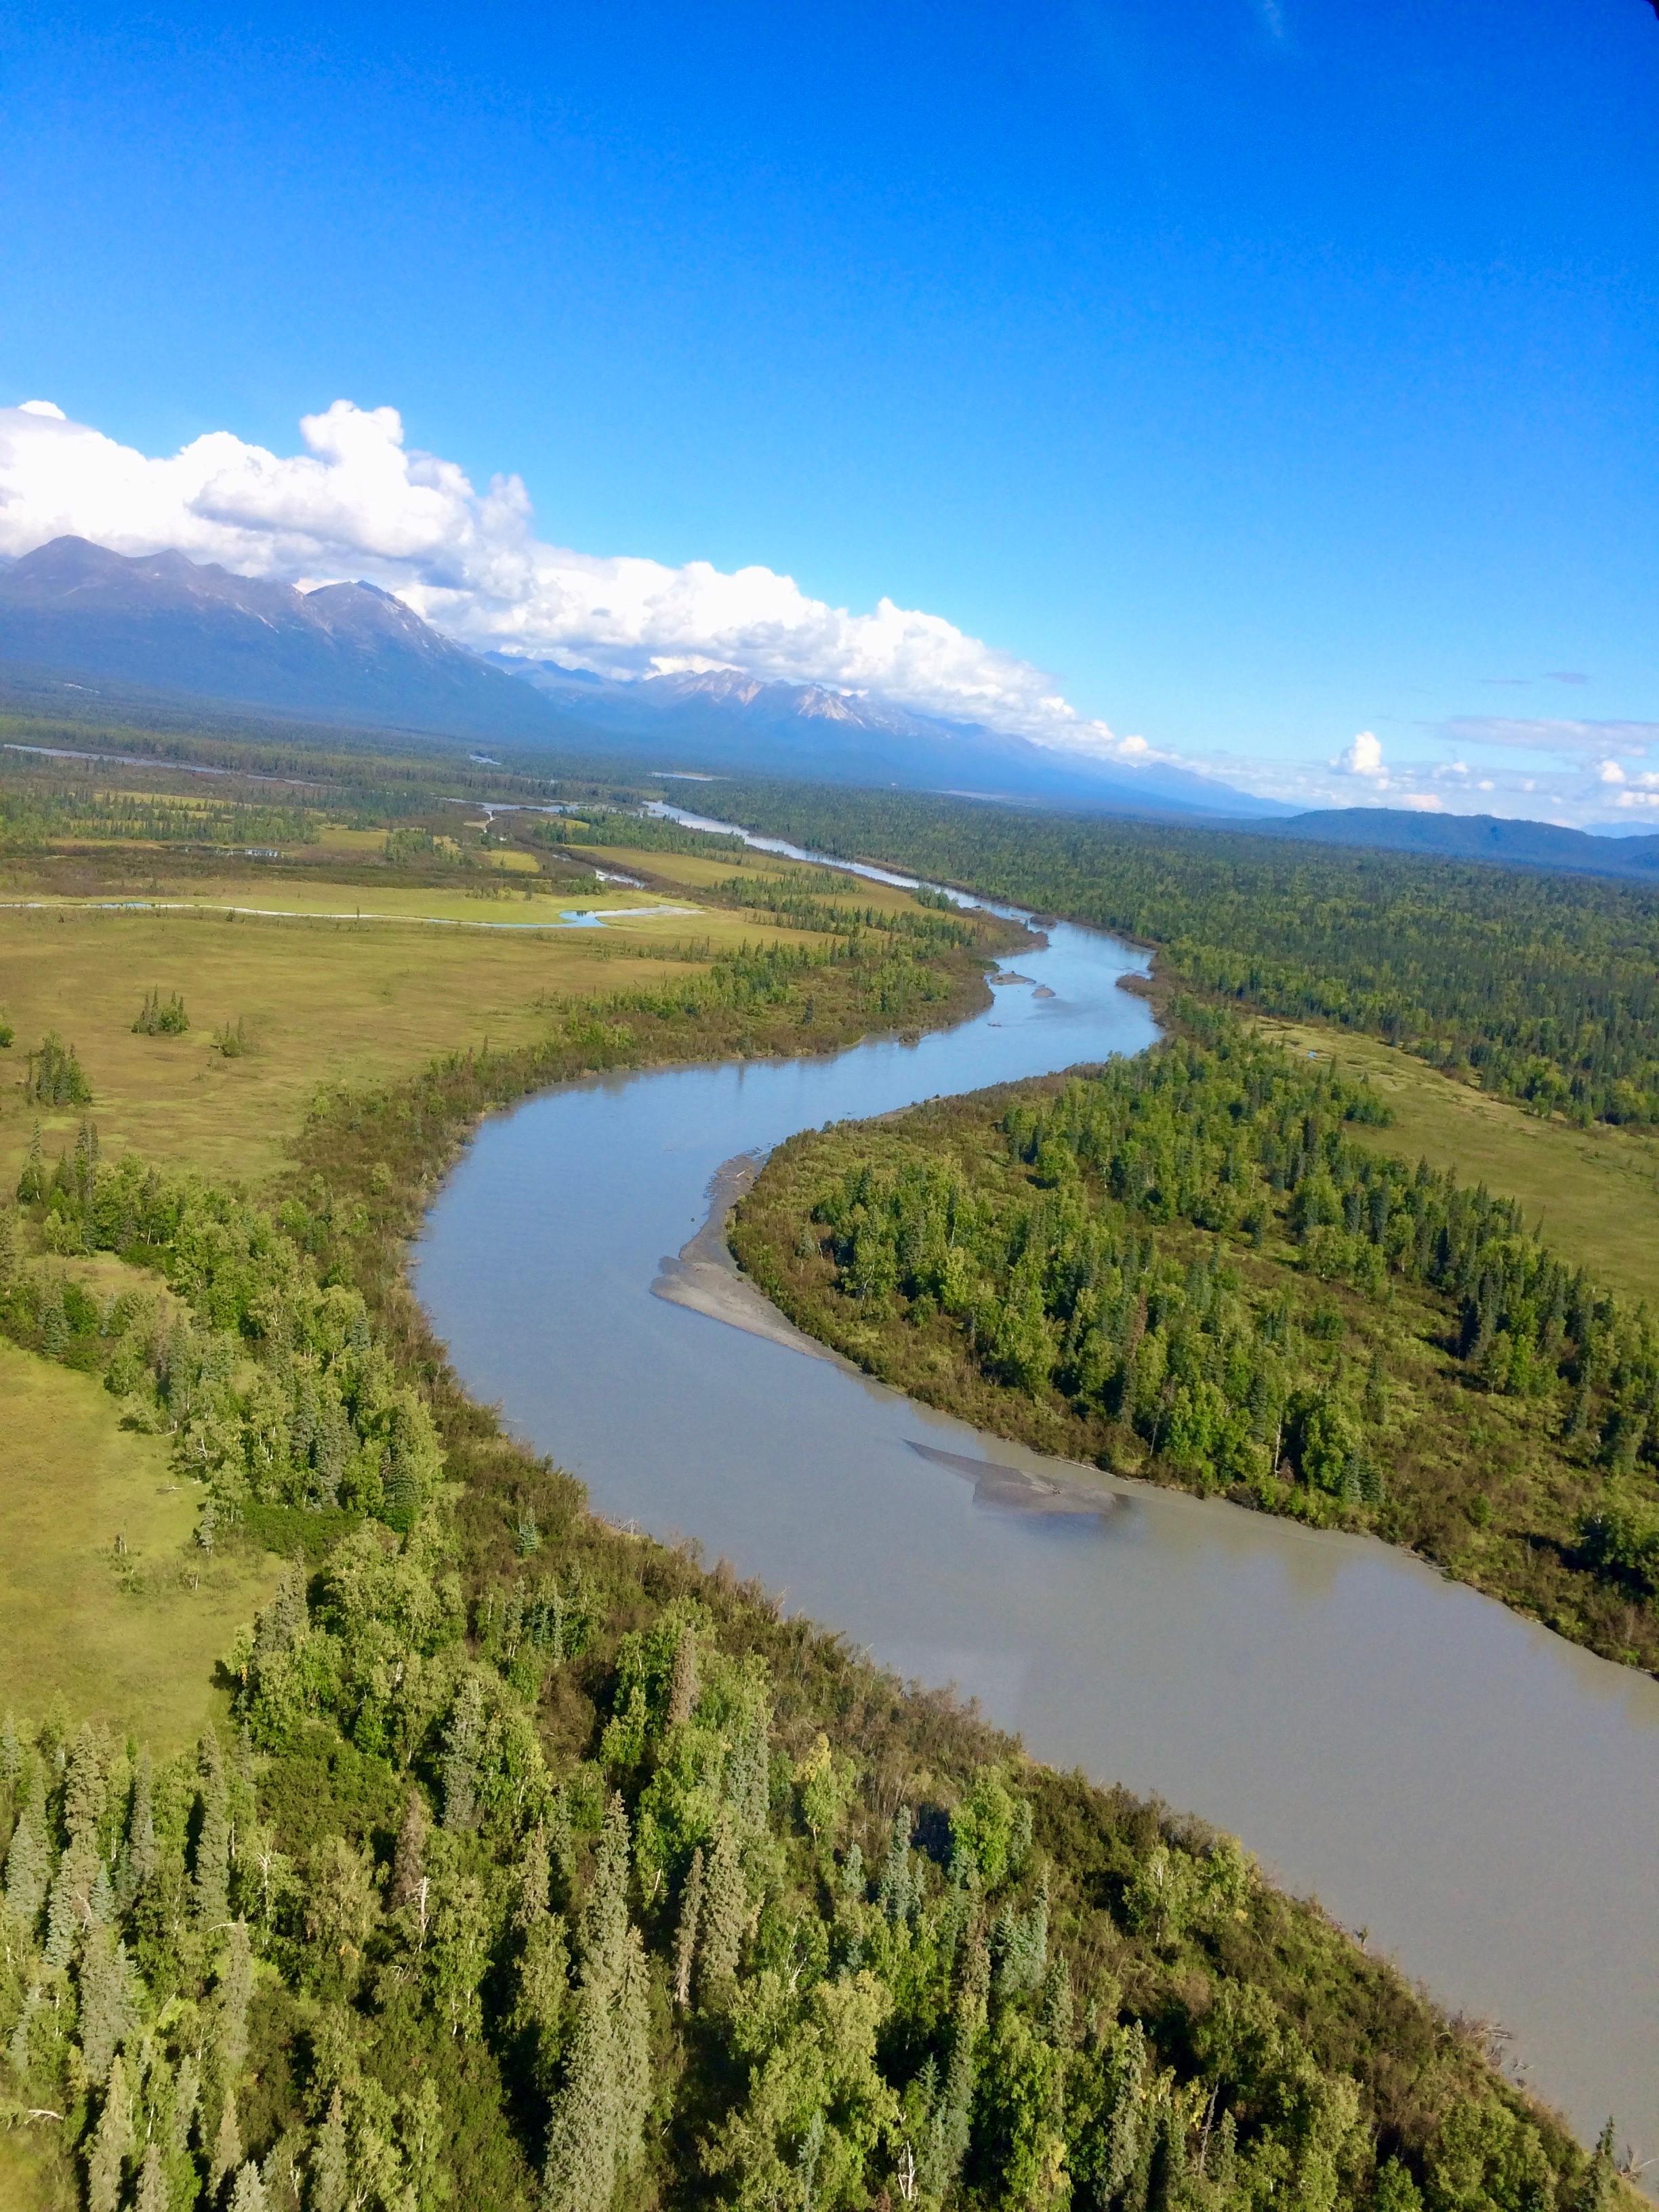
[
  {"x": 347, "y": 651},
  {"x": 721, "y": 718},
  {"x": 1474, "y": 837},
  {"x": 353, "y": 654}
]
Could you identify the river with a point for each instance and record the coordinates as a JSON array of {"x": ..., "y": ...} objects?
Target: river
[{"x": 1479, "y": 1796}]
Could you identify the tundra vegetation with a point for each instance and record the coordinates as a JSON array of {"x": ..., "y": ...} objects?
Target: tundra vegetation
[{"x": 522, "y": 1862}]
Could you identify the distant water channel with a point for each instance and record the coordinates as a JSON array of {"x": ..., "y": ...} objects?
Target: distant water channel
[{"x": 1480, "y": 1796}]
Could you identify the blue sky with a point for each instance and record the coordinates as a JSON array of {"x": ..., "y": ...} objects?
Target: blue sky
[{"x": 1269, "y": 371}]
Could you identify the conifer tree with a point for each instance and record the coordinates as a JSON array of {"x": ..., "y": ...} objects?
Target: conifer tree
[
  {"x": 212, "y": 1868},
  {"x": 594, "y": 2131},
  {"x": 460, "y": 1765},
  {"x": 683, "y": 1684},
  {"x": 951, "y": 2130},
  {"x": 631, "y": 2061},
  {"x": 187, "y": 2097},
  {"x": 69, "y": 1906},
  {"x": 605, "y": 1915},
  {"x": 249, "y": 2194},
  {"x": 8, "y": 1248},
  {"x": 580, "y": 2169},
  {"x": 153, "y": 2195},
  {"x": 685, "y": 1935},
  {"x": 84, "y": 1784},
  {"x": 112, "y": 2144},
  {"x": 29, "y": 1871},
  {"x": 235, "y": 1989},
  {"x": 108, "y": 2001},
  {"x": 32, "y": 1184},
  {"x": 532, "y": 1903},
  {"x": 141, "y": 1824},
  {"x": 330, "y": 2173},
  {"x": 18, "y": 2051},
  {"x": 226, "y": 2145},
  {"x": 726, "y": 1910}
]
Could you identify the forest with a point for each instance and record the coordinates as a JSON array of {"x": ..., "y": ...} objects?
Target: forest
[
  {"x": 535, "y": 1864},
  {"x": 1543, "y": 988},
  {"x": 1184, "y": 1267}
]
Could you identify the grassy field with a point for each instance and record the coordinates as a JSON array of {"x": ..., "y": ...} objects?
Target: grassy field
[
  {"x": 1595, "y": 1191},
  {"x": 133, "y": 1638},
  {"x": 324, "y": 1001}
]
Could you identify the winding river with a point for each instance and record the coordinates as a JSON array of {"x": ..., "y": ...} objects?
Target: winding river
[{"x": 1478, "y": 1797}]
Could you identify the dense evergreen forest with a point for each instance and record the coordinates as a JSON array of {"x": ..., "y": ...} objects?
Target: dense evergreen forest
[
  {"x": 1182, "y": 1266},
  {"x": 537, "y": 1865},
  {"x": 1543, "y": 988}
]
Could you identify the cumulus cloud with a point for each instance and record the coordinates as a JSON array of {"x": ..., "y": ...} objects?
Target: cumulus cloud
[
  {"x": 359, "y": 503},
  {"x": 1363, "y": 757}
]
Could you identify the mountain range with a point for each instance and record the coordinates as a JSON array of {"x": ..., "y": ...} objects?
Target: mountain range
[
  {"x": 353, "y": 652},
  {"x": 76, "y": 614}
]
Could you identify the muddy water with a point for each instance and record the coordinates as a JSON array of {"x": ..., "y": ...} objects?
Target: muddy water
[{"x": 1480, "y": 1797}]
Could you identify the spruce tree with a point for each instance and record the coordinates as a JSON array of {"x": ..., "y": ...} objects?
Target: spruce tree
[
  {"x": 532, "y": 1903},
  {"x": 631, "y": 2051},
  {"x": 112, "y": 2144},
  {"x": 32, "y": 1184},
  {"x": 461, "y": 1764},
  {"x": 249, "y": 2194},
  {"x": 187, "y": 2097},
  {"x": 108, "y": 2001},
  {"x": 70, "y": 1903},
  {"x": 331, "y": 2172},
  {"x": 580, "y": 2169},
  {"x": 605, "y": 1915},
  {"x": 153, "y": 2195},
  {"x": 726, "y": 1911},
  {"x": 226, "y": 2145},
  {"x": 29, "y": 1871},
  {"x": 685, "y": 1935},
  {"x": 683, "y": 1684},
  {"x": 141, "y": 1824},
  {"x": 8, "y": 1248},
  {"x": 235, "y": 1990},
  {"x": 212, "y": 1868}
]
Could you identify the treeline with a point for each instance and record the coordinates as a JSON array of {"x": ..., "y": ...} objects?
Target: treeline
[
  {"x": 629, "y": 831},
  {"x": 1183, "y": 1265},
  {"x": 1542, "y": 988},
  {"x": 33, "y": 816}
]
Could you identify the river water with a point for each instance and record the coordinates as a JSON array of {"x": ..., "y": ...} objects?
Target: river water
[{"x": 1480, "y": 1796}]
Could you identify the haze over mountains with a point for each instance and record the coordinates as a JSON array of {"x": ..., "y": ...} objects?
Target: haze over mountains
[
  {"x": 352, "y": 653},
  {"x": 355, "y": 652}
]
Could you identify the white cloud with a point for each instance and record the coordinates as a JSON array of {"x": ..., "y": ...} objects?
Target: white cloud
[
  {"x": 1423, "y": 802},
  {"x": 358, "y": 502},
  {"x": 1363, "y": 757},
  {"x": 1547, "y": 735}
]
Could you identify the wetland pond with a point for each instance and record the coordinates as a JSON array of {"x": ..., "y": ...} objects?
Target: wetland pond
[{"x": 1479, "y": 1796}]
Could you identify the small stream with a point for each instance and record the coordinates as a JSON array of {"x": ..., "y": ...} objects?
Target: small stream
[{"x": 1479, "y": 1796}]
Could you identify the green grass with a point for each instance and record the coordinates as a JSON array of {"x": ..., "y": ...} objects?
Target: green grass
[
  {"x": 325, "y": 1002},
  {"x": 1596, "y": 1190},
  {"x": 132, "y": 1640}
]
